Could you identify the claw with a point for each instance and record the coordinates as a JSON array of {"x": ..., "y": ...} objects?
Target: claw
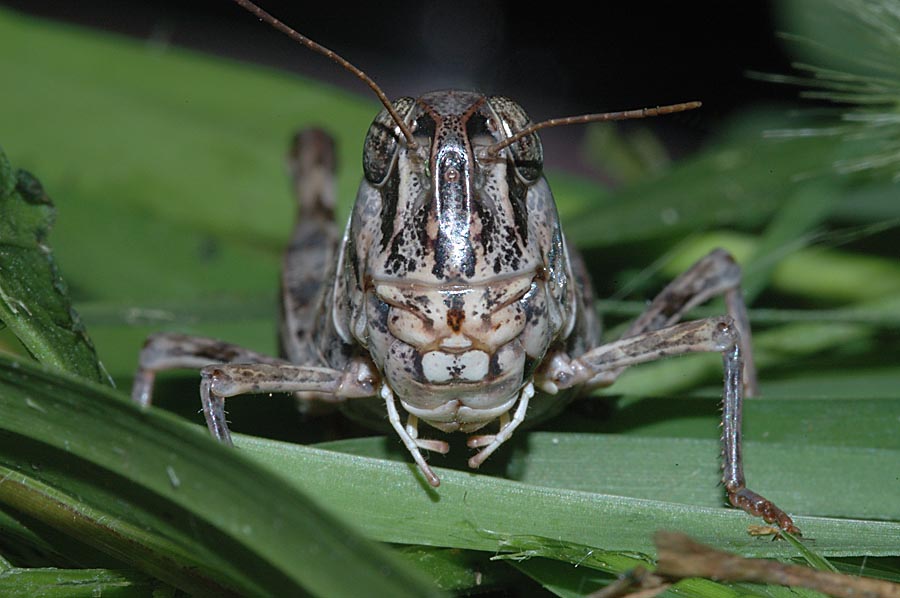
[{"x": 755, "y": 504}]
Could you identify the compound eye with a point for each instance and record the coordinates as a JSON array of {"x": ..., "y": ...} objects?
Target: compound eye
[
  {"x": 380, "y": 147},
  {"x": 527, "y": 153}
]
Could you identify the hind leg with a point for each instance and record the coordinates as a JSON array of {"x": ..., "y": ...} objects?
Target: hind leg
[
  {"x": 305, "y": 272},
  {"x": 713, "y": 275},
  {"x": 309, "y": 262},
  {"x": 171, "y": 351},
  {"x": 308, "y": 265}
]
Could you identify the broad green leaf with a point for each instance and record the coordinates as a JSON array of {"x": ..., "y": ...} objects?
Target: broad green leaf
[
  {"x": 159, "y": 495},
  {"x": 386, "y": 500},
  {"x": 34, "y": 301},
  {"x": 801, "y": 416},
  {"x": 186, "y": 138},
  {"x": 392, "y": 505},
  {"x": 797, "y": 474}
]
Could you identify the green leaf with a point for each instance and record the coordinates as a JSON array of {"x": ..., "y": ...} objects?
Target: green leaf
[
  {"x": 389, "y": 502},
  {"x": 160, "y": 496},
  {"x": 34, "y": 301},
  {"x": 455, "y": 570},
  {"x": 185, "y": 138},
  {"x": 824, "y": 273},
  {"x": 160, "y": 464},
  {"x": 741, "y": 182},
  {"x": 798, "y": 474},
  {"x": 79, "y": 583},
  {"x": 789, "y": 230}
]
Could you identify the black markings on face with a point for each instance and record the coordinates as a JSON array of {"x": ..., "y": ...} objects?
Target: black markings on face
[
  {"x": 477, "y": 125},
  {"x": 382, "y": 313},
  {"x": 389, "y": 200},
  {"x": 424, "y": 127},
  {"x": 527, "y": 153},
  {"x": 448, "y": 209},
  {"x": 518, "y": 192}
]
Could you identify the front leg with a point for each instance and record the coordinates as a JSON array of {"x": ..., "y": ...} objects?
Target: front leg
[
  {"x": 719, "y": 335},
  {"x": 227, "y": 380}
]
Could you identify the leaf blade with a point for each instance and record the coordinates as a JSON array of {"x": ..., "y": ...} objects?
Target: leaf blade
[{"x": 175, "y": 470}]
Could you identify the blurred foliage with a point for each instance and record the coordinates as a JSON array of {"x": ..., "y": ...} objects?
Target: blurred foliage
[
  {"x": 848, "y": 56},
  {"x": 34, "y": 300},
  {"x": 172, "y": 207}
]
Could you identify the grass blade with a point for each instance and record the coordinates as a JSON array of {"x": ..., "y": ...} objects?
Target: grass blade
[
  {"x": 389, "y": 502},
  {"x": 163, "y": 485},
  {"x": 80, "y": 583}
]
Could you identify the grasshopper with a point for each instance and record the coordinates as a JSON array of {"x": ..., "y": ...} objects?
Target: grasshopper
[{"x": 452, "y": 297}]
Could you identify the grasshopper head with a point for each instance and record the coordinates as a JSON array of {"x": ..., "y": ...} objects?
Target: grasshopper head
[{"x": 455, "y": 262}]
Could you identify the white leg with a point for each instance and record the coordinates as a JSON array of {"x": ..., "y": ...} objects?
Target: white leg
[
  {"x": 409, "y": 440},
  {"x": 506, "y": 430}
]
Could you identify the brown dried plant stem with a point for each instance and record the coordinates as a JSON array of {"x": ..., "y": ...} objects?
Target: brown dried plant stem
[{"x": 680, "y": 557}]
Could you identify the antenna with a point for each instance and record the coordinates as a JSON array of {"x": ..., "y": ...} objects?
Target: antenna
[
  {"x": 320, "y": 49},
  {"x": 407, "y": 133},
  {"x": 591, "y": 118}
]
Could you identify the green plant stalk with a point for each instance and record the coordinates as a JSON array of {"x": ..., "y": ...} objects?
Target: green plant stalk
[{"x": 790, "y": 230}]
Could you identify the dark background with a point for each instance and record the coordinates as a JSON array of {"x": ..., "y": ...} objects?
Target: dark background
[{"x": 556, "y": 61}]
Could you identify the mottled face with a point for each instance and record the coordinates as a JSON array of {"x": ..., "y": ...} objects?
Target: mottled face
[
  {"x": 448, "y": 213},
  {"x": 455, "y": 264}
]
